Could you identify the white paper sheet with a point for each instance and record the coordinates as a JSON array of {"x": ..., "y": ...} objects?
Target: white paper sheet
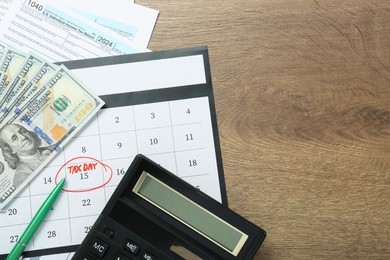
[{"x": 58, "y": 34}]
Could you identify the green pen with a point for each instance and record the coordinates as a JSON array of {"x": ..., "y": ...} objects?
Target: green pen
[{"x": 35, "y": 222}]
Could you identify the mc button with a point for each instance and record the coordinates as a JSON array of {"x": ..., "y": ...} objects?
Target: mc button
[{"x": 98, "y": 248}]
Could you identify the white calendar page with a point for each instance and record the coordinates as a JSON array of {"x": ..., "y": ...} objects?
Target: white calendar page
[{"x": 158, "y": 104}]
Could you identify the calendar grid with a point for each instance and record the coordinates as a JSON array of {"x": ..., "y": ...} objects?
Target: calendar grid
[
  {"x": 170, "y": 117},
  {"x": 68, "y": 206},
  {"x": 31, "y": 213},
  {"x": 101, "y": 154},
  {"x": 177, "y": 134},
  {"x": 135, "y": 127}
]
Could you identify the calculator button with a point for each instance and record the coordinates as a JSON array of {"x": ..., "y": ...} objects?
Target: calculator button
[
  {"x": 87, "y": 257},
  {"x": 99, "y": 248},
  {"x": 148, "y": 256},
  {"x": 119, "y": 256},
  {"x": 131, "y": 247},
  {"x": 108, "y": 232}
]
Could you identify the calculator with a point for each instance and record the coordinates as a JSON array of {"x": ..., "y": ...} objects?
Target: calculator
[{"x": 153, "y": 214}]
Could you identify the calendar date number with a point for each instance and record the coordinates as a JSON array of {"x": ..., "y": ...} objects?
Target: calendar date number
[{"x": 13, "y": 239}]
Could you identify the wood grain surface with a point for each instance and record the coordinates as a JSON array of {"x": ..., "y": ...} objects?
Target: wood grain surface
[{"x": 302, "y": 91}]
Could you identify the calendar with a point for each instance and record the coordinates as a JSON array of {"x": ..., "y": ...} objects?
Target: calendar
[{"x": 158, "y": 104}]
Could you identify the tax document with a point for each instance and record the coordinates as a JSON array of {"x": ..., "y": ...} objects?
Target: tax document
[
  {"x": 133, "y": 21},
  {"x": 58, "y": 34}
]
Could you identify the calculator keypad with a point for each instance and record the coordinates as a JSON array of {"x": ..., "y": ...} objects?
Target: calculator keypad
[
  {"x": 100, "y": 248},
  {"x": 108, "y": 244}
]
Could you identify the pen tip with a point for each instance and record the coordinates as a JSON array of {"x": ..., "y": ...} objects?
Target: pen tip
[{"x": 61, "y": 182}]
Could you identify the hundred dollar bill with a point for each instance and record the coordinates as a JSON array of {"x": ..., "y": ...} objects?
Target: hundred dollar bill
[
  {"x": 26, "y": 72},
  {"x": 27, "y": 90},
  {"x": 52, "y": 117},
  {"x": 2, "y": 54},
  {"x": 2, "y": 51},
  {"x": 11, "y": 63}
]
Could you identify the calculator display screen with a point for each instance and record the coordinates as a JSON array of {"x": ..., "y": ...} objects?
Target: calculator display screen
[{"x": 190, "y": 213}]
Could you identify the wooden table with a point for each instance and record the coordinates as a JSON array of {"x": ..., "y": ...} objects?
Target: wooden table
[{"x": 302, "y": 91}]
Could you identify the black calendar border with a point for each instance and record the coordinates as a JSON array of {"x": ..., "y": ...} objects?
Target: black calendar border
[{"x": 151, "y": 96}]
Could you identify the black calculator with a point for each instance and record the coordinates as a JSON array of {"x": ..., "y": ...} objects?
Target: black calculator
[{"x": 153, "y": 214}]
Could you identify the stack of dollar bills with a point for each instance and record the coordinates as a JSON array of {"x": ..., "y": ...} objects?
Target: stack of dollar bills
[{"x": 42, "y": 106}]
